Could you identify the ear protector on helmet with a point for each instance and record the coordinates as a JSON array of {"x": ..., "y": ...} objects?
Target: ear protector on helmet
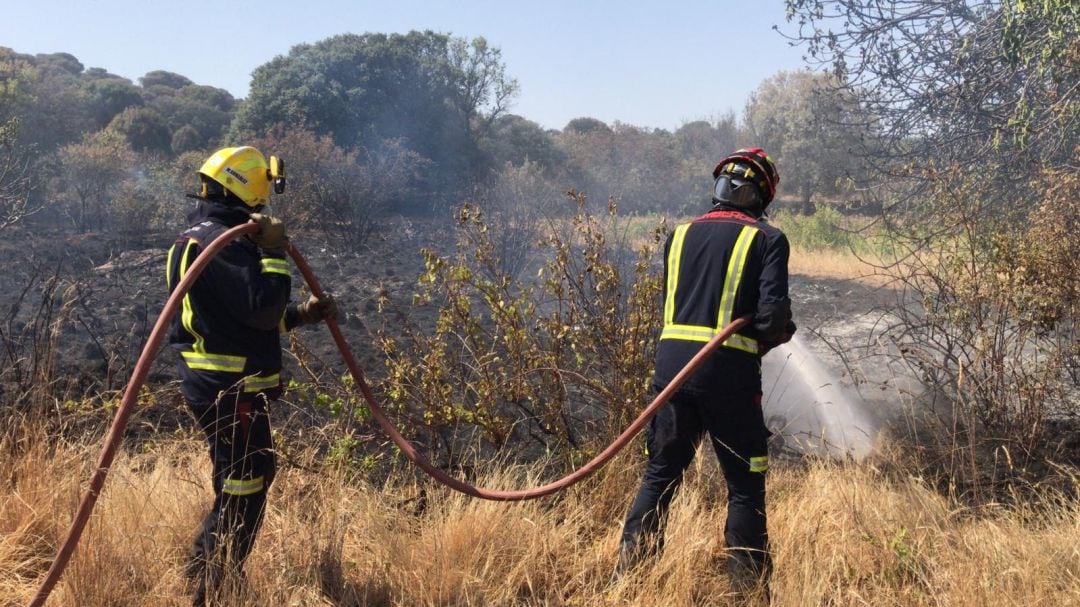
[
  {"x": 276, "y": 174},
  {"x": 209, "y": 188}
]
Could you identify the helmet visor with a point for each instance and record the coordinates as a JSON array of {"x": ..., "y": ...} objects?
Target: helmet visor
[{"x": 737, "y": 192}]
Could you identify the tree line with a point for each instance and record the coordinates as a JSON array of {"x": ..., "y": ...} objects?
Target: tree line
[{"x": 372, "y": 124}]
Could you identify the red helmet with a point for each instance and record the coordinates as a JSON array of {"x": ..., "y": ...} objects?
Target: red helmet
[{"x": 754, "y": 165}]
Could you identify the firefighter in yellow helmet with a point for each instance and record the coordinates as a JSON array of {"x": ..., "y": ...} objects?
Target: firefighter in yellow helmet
[{"x": 230, "y": 350}]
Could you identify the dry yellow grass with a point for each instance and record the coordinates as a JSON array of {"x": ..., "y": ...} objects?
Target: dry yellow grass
[
  {"x": 835, "y": 263},
  {"x": 843, "y": 535}
]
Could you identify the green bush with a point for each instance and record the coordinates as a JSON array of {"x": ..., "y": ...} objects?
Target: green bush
[
  {"x": 557, "y": 362},
  {"x": 827, "y": 228}
]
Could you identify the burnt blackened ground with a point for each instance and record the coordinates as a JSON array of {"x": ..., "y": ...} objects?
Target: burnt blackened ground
[
  {"x": 93, "y": 299},
  {"x": 85, "y": 305},
  {"x": 849, "y": 326}
]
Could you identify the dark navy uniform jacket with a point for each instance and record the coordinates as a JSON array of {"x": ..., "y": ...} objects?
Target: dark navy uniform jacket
[
  {"x": 721, "y": 266},
  {"x": 228, "y": 328}
]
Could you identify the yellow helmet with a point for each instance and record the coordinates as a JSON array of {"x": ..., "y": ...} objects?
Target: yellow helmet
[{"x": 244, "y": 172}]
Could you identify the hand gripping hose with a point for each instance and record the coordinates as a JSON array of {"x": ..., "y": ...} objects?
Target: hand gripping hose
[{"x": 157, "y": 335}]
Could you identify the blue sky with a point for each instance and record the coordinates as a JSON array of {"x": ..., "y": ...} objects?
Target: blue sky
[{"x": 654, "y": 64}]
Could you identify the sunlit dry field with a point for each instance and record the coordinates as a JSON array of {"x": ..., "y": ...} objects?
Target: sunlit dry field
[{"x": 843, "y": 534}]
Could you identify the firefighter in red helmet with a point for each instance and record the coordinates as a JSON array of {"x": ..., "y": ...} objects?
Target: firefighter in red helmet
[{"x": 725, "y": 264}]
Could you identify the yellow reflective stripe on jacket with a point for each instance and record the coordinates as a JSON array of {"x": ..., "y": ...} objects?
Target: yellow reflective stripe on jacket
[
  {"x": 704, "y": 334},
  {"x": 674, "y": 255},
  {"x": 732, "y": 280},
  {"x": 759, "y": 464},
  {"x": 742, "y": 342},
  {"x": 736, "y": 267},
  {"x": 255, "y": 383},
  {"x": 214, "y": 362},
  {"x": 731, "y": 287},
  {"x": 168, "y": 267},
  {"x": 240, "y": 486},
  {"x": 688, "y": 332},
  {"x": 187, "y": 314},
  {"x": 273, "y": 265},
  {"x": 734, "y": 274}
]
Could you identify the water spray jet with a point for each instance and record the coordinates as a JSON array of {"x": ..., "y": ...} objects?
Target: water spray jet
[{"x": 809, "y": 411}]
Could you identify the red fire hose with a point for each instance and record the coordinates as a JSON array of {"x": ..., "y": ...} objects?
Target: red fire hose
[{"x": 157, "y": 335}]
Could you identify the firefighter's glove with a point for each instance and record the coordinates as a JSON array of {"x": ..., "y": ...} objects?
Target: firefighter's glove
[
  {"x": 789, "y": 331},
  {"x": 316, "y": 309},
  {"x": 271, "y": 237}
]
